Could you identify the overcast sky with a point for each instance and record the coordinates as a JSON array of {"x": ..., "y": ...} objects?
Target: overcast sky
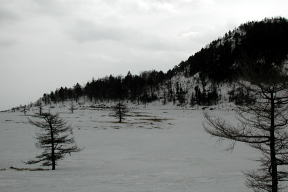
[{"x": 46, "y": 44}]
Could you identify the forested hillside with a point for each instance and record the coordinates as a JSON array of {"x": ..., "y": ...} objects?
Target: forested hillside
[{"x": 203, "y": 78}]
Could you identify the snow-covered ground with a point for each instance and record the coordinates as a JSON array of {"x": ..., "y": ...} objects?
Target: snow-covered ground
[{"x": 157, "y": 149}]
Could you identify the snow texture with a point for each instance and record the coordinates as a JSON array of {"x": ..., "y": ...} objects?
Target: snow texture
[{"x": 157, "y": 149}]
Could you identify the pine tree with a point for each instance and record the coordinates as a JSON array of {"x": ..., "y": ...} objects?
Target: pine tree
[
  {"x": 55, "y": 139},
  {"x": 120, "y": 111}
]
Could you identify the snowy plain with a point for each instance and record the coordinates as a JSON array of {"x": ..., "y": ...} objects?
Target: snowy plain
[{"x": 157, "y": 149}]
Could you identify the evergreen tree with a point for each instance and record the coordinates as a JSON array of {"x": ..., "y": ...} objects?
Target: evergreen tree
[
  {"x": 77, "y": 91},
  {"x": 120, "y": 111},
  {"x": 180, "y": 94},
  {"x": 55, "y": 139}
]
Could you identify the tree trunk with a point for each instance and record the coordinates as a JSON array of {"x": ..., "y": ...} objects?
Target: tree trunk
[
  {"x": 52, "y": 148},
  {"x": 273, "y": 159},
  {"x": 120, "y": 114}
]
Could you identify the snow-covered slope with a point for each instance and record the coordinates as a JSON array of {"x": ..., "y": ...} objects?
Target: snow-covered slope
[
  {"x": 188, "y": 85},
  {"x": 157, "y": 149}
]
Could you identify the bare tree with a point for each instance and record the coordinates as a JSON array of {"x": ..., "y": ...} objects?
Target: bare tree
[
  {"x": 263, "y": 125},
  {"x": 55, "y": 139},
  {"x": 120, "y": 111}
]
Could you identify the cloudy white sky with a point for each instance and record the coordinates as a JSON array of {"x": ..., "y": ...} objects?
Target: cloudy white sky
[{"x": 45, "y": 44}]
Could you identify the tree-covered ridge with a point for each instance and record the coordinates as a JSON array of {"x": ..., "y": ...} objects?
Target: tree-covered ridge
[
  {"x": 257, "y": 44},
  {"x": 221, "y": 60},
  {"x": 132, "y": 87}
]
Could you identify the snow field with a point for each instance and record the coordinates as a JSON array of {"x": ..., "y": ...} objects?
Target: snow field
[{"x": 155, "y": 150}]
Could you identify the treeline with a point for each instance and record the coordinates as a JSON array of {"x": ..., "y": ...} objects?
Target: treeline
[
  {"x": 138, "y": 88},
  {"x": 253, "y": 44}
]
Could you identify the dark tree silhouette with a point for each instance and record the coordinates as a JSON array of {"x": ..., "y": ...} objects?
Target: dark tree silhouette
[
  {"x": 25, "y": 109},
  {"x": 216, "y": 63},
  {"x": 55, "y": 139},
  {"x": 120, "y": 111},
  {"x": 263, "y": 125},
  {"x": 77, "y": 91},
  {"x": 40, "y": 107},
  {"x": 180, "y": 94},
  {"x": 72, "y": 106}
]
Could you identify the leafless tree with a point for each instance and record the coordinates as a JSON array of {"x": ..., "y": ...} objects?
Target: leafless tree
[
  {"x": 55, "y": 139},
  {"x": 263, "y": 126}
]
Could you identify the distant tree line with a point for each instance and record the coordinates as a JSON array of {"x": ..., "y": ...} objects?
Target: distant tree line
[
  {"x": 219, "y": 62},
  {"x": 138, "y": 88}
]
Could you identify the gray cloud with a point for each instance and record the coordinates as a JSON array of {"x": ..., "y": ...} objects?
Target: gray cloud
[
  {"x": 7, "y": 42},
  {"x": 54, "y": 8},
  {"x": 90, "y": 32},
  {"x": 96, "y": 37},
  {"x": 87, "y": 31},
  {"x": 7, "y": 15}
]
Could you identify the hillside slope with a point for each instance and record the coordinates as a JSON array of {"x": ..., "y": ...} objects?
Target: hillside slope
[{"x": 205, "y": 78}]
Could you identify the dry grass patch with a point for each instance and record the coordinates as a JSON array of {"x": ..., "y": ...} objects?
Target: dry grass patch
[
  {"x": 155, "y": 119},
  {"x": 28, "y": 169}
]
